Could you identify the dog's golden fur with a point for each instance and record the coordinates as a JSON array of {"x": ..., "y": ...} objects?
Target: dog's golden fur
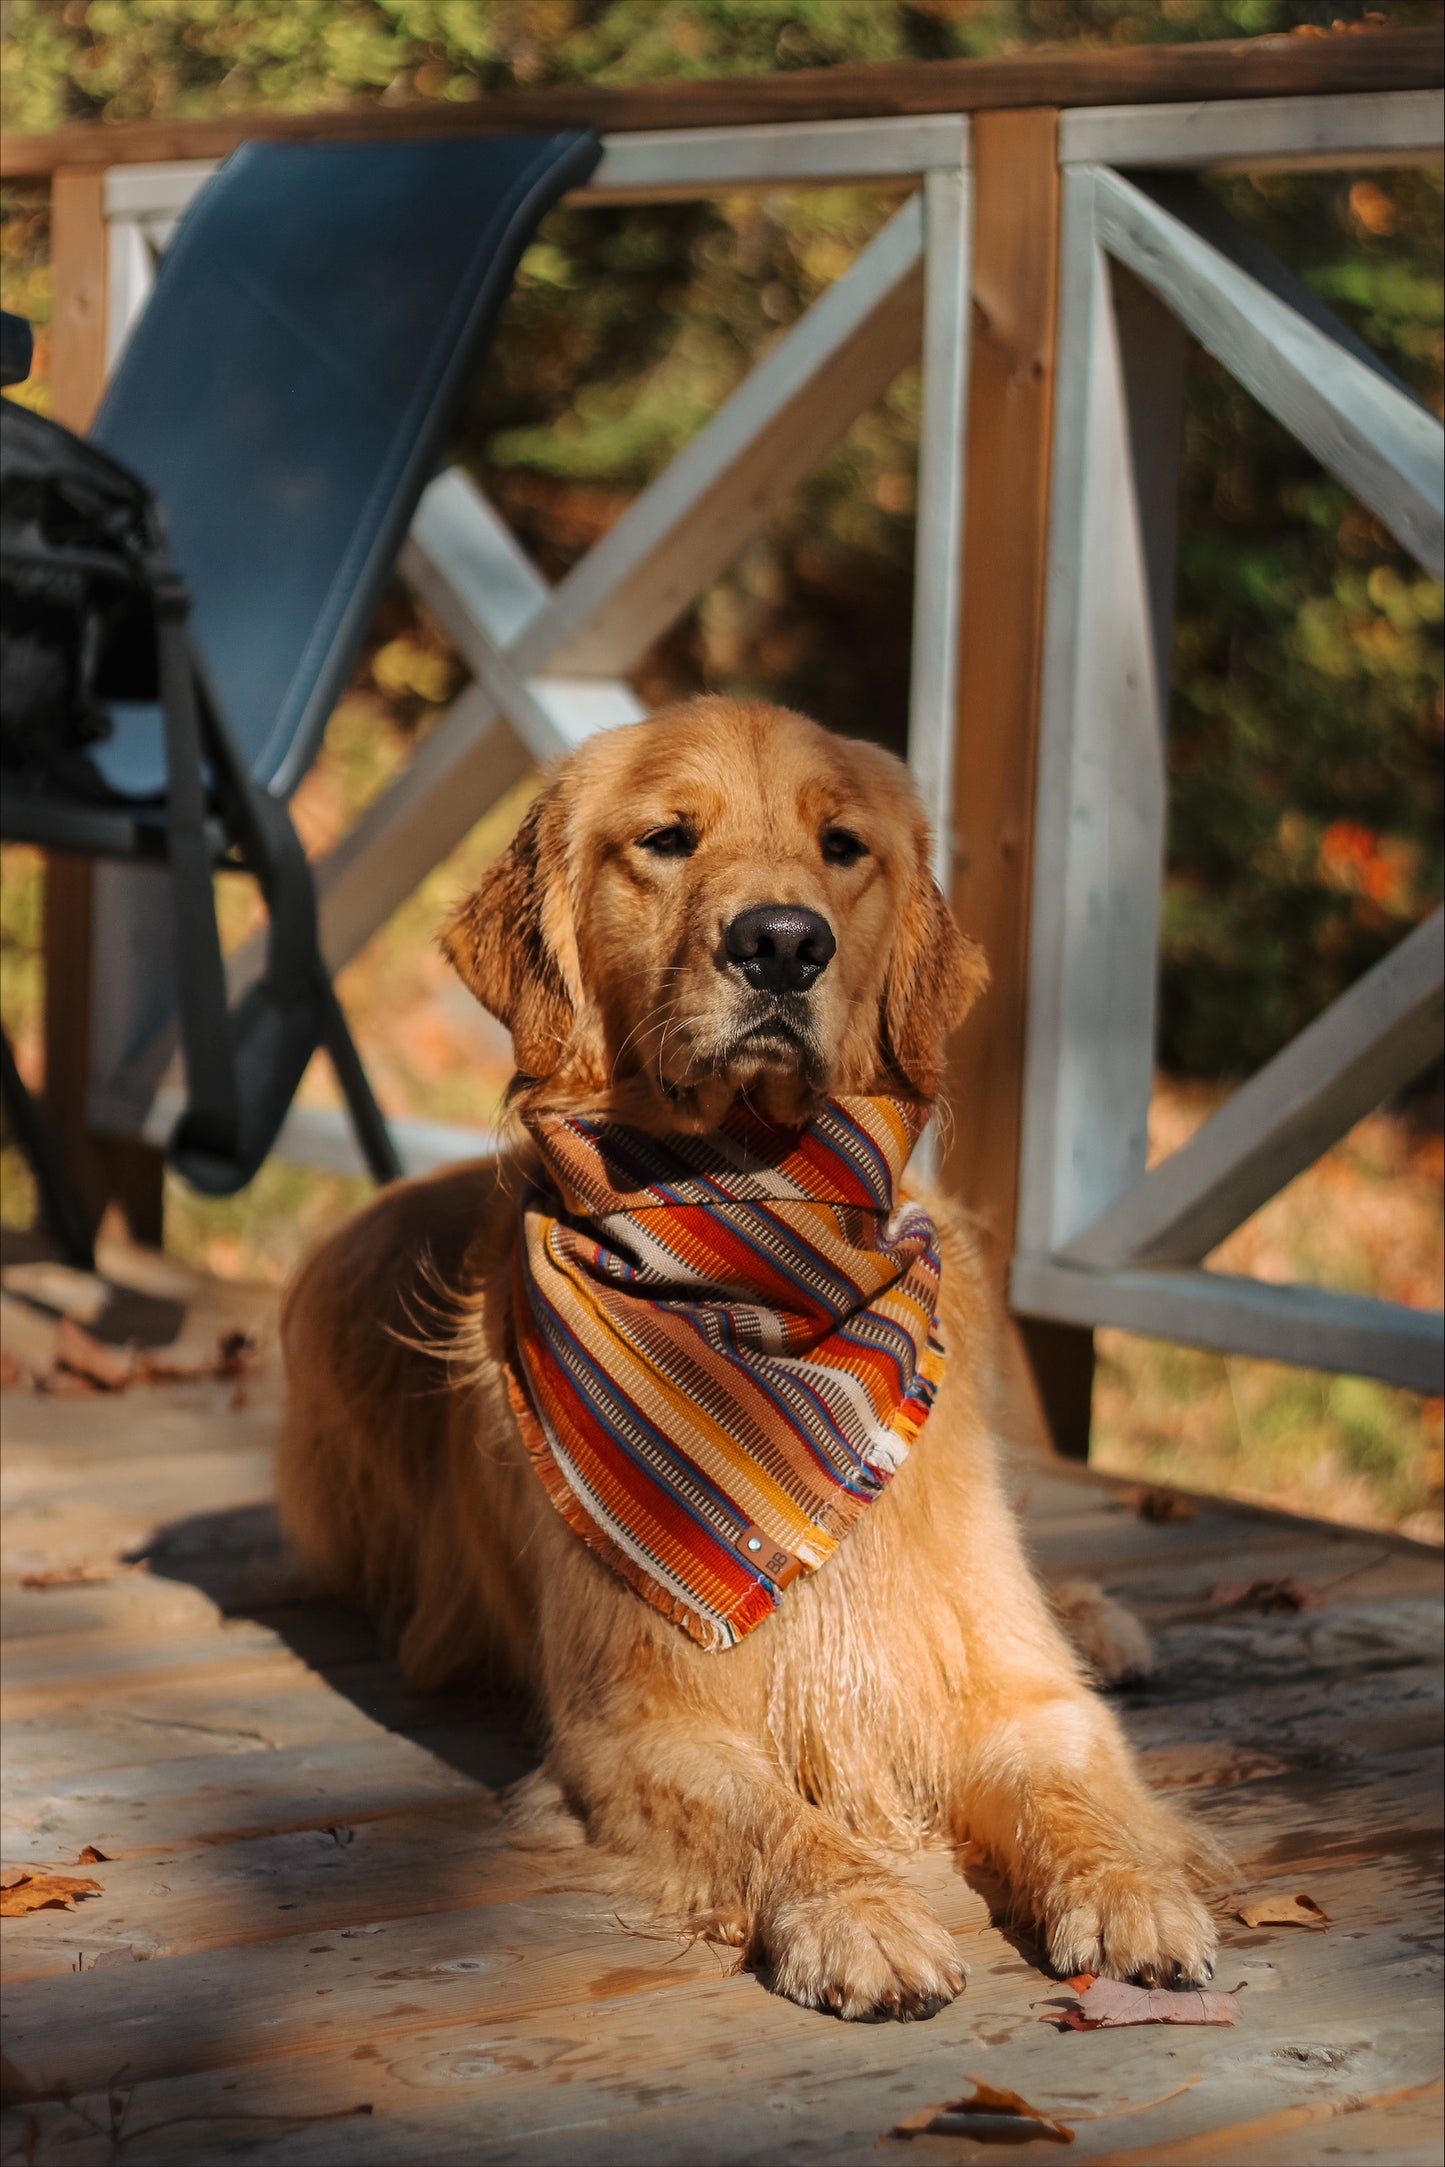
[{"x": 919, "y": 1684}]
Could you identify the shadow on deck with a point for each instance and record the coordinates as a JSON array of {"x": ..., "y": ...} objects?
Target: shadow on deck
[{"x": 324, "y": 1942}]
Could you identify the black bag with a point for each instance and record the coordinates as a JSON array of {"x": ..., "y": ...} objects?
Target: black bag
[
  {"x": 77, "y": 624},
  {"x": 92, "y": 611}
]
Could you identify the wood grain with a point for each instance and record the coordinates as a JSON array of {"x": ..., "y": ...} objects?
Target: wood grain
[
  {"x": 1064, "y": 75},
  {"x": 1010, "y": 423},
  {"x": 651, "y": 2069},
  {"x": 1015, "y": 297},
  {"x": 350, "y": 1960},
  {"x": 77, "y": 324},
  {"x": 131, "y": 1172}
]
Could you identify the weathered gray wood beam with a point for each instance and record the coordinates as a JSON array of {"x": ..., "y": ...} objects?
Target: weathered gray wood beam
[
  {"x": 681, "y": 531},
  {"x": 1312, "y": 1327},
  {"x": 668, "y": 165},
  {"x": 938, "y": 529},
  {"x": 1283, "y": 345},
  {"x": 464, "y": 563},
  {"x": 671, "y": 165},
  {"x": 1374, "y": 1038},
  {"x": 1098, "y": 850},
  {"x": 1382, "y": 128},
  {"x": 834, "y": 364},
  {"x": 470, "y": 759},
  {"x": 938, "y": 545}
]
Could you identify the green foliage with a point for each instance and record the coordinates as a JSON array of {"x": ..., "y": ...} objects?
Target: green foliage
[
  {"x": 128, "y": 59},
  {"x": 25, "y": 279},
  {"x": 1341, "y": 1448},
  {"x": 1305, "y": 814},
  {"x": 1307, "y": 717}
]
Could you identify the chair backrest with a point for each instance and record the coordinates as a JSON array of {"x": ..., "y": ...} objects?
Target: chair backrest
[{"x": 289, "y": 390}]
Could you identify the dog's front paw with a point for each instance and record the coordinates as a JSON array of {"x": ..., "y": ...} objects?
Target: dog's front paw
[
  {"x": 1132, "y": 1922},
  {"x": 866, "y": 1954},
  {"x": 1110, "y": 1638}
]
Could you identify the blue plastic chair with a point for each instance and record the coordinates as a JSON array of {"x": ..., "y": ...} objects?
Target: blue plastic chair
[{"x": 288, "y": 393}]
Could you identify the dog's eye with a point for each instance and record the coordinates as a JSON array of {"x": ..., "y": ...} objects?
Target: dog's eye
[
  {"x": 678, "y": 841},
  {"x": 842, "y": 847}
]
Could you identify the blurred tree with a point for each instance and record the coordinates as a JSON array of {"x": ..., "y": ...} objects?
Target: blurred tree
[{"x": 1305, "y": 822}]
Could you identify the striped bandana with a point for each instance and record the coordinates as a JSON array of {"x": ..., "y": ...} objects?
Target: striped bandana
[{"x": 728, "y": 1344}]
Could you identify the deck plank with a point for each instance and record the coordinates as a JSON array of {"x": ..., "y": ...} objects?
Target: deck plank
[
  {"x": 455, "y": 1852},
  {"x": 331, "y": 1910},
  {"x": 517, "y": 1966},
  {"x": 726, "y": 2078},
  {"x": 448, "y": 1856}
]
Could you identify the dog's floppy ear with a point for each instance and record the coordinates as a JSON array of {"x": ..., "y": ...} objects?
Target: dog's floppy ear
[
  {"x": 934, "y": 977},
  {"x": 511, "y": 942}
]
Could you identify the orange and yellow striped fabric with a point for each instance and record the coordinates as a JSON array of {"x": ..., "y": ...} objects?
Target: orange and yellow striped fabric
[{"x": 726, "y": 1345}]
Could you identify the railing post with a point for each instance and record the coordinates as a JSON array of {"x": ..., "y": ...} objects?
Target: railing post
[
  {"x": 130, "y": 1172},
  {"x": 1010, "y": 427}
]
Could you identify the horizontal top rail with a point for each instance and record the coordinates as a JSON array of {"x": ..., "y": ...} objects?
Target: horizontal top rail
[
  {"x": 677, "y": 162},
  {"x": 1254, "y": 134},
  {"x": 672, "y": 166},
  {"x": 1285, "y": 66}
]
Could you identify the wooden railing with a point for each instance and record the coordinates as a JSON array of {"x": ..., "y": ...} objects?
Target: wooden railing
[
  {"x": 1057, "y": 76},
  {"x": 1148, "y": 262},
  {"x": 1035, "y": 276}
]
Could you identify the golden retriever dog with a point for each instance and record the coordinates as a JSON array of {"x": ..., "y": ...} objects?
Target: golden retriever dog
[{"x": 917, "y": 1686}]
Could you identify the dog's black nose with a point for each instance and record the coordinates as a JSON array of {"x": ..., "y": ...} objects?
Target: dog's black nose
[{"x": 779, "y": 947}]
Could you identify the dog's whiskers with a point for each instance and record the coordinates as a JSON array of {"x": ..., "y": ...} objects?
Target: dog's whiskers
[{"x": 649, "y": 1021}]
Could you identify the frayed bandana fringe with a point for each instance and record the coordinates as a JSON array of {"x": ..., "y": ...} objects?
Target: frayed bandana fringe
[{"x": 726, "y": 1345}]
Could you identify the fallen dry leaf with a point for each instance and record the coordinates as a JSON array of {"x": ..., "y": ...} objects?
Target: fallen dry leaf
[
  {"x": 1109, "y": 2004},
  {"x": 84, "y": 1356},
  {"x": 234, "y": 1355},
  {"x": 1268, "y": 1597},
  {"x": 65, "y": 1576},
  {"x": 235, "y": 1352},
  {"x": 1283, "y": 1911},
  {"x": 44, "y": 1892},
  {"x": 91, "y": 1857},
  {"x": 990, "y": 2117},
  {"x": 1162, "y": 1506},
  {"x": 73, "y": 1362},
  {"x": 1082, "y": 1981}
]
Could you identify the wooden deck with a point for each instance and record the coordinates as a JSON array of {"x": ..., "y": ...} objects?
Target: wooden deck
[{"x": 348, "y": 1957}]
